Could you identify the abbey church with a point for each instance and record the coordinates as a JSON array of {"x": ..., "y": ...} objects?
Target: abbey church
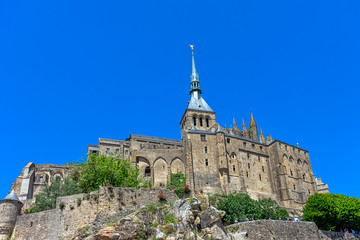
[{"x": 214, "y": 159}]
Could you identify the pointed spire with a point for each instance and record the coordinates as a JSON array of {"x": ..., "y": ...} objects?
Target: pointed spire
[
  {"x": 244, "y": 126},
  {"x": 195, "y": 84},
  {"x": 262, "y": 138},
  {"x": 234, "y": 123},
  {"x": 252, "y": 121}
]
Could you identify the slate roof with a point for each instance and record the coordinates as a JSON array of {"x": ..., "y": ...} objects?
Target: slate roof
[
  {"x": 198, "y": 104},
  {"x": 11, "y": 196}
]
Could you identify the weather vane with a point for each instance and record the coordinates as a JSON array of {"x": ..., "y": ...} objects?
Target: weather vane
[{"x": 192, "y": 47}]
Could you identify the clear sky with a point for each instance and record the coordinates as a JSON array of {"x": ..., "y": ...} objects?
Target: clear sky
[{"x": 74, "y": 71}]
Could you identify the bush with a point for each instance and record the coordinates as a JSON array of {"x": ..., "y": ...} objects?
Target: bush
[
  {"x": 46, "y": 199},
  {"x": 240, "y": 206},
  {"x": 177, "y": 183},
  {"x": 333, "y": 212},
  {"x": 106, "y": 171},
  {"x": 169, "y": 218}
]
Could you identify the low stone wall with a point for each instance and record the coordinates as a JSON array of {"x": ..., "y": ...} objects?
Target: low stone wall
[
  {"x": 282, "y": 230},
  {"x": 78, "y": 211}
]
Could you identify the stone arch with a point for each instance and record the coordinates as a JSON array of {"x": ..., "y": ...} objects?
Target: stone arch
[
  {"x": 299, "y": 161},
  {"x": 144, "y": 167},
  {"x": 58, "y": 174},
  {"x": 305, "y": 163},
  {"x": 177, "y": 165},
  {"x": 160, "y": 172},
  {"x": 291, "y": 159}
]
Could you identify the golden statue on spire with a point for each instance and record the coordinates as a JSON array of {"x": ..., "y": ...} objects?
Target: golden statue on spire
[{"x": 192, "y": 47}]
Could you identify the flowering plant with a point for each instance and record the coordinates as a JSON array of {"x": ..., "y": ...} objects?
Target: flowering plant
[
  {"x": 110, "y": 186},
  {"x": 161, "y": 197},
  {"x": 173, "y": 188},
  {"x": 187, "y": 189}
]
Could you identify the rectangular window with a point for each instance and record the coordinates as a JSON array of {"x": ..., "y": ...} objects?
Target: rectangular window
[
  {"x": 194, "y": 119},
  {"x": 286, "y": 147},
  {"x": 248, "y": 165},
  {"x": 263, "y": 168},
  {"x": 234, "y": 168},
  {"x": 228, "y": 140},
  {"x": 247, "y": 174},
  {"x": 260, "y": 177},
  {"x": 260, "y": 148},
  {"x": 201, "y": 122},
  {"x": 203, "y": 137},
  {"x": 280, "y": 145},
  {"x": 293, "y": 149},
  {"x": 206, "y": 162},
  {"x": 294, "y": 187},
  {"x": 244, "y": 144},
  {"x": 309, "y": 191},
  {"x": 253, "y": 146},
  {"x": 117, "y": 151},
  {"x": 207, "y": 122},
  {"x": 108, "y": 150},
  {"x": 299, "y": 152},
  {"x": 205, "y": 149},
  {"x": 126, "y": 152},
  {"x": 154, "y": 147}
]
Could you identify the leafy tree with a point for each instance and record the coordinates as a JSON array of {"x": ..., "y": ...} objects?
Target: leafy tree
[
  {"x": 239, "y": 206},
  {"x": 177, "y": 183},
  {"x": 333, "y": 211},
  {"x": 46, "y": 199},
  {"x": 270, "y": 208},
  {"x": 101, "y": 170}
]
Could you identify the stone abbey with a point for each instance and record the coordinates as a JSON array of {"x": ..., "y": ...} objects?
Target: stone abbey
[{"x": 214, "y": 159}]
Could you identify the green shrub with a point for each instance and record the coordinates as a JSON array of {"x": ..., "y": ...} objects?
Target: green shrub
[
  {"x": 46, "y": 199},
  {"x": 177, "y": 183},
  {"x": 169, "y": 218},
  {"x": 78, "y": 201},
  {"x": 333, "y": 212},
  {"x": 152, "y": 207},
  {"x": 240, "y": 206},
  {"x": 96, "y": 171}
]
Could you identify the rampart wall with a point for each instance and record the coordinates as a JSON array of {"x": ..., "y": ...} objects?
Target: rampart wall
[{"x": 78, "y": 211}]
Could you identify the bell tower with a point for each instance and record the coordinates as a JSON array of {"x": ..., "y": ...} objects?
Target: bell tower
[{"x": 198, "y": 114}]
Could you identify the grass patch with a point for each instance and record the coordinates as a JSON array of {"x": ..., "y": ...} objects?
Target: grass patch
[{"x": 169, "y": 218}]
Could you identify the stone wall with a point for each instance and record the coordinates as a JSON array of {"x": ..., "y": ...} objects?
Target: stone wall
[{"x": 78, "y": 211}]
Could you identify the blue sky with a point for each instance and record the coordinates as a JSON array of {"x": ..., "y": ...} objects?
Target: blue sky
[{"x": 74, "y": 71}]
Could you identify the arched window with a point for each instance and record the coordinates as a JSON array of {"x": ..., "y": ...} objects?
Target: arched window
[
  {"x": 207, "y": 122},
  {"x": 194, "y": 119},
  {"x": 201, "y": 122},
  {"x": 147, "y": 172}
]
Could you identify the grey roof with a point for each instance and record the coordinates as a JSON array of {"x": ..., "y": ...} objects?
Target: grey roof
[
  {"x": 198, "y": 104},
  {"x": 150, "y": 138},
  {"x": 11, "y": 196}
]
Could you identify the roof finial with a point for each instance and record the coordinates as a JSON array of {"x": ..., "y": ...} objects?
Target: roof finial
[{"x": 195, "y": 84}]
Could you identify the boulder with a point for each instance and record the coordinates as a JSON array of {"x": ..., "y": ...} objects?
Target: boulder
[{"x": 210, "y": 216}]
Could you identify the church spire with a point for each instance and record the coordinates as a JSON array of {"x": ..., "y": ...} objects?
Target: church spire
[{"x": 195, "y": 84}]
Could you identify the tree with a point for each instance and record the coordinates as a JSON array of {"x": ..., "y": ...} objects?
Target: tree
[
  {"x": 333, "y": 211},
  {"x": 101, "y": 170},
  {"x": 239, "y": 206},
  {"x": 46, "y": 199}
]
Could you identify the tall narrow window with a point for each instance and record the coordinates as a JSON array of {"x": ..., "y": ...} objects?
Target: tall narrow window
[
  {"x": 304, "y": 176},
  {"x": 244, "y": 144},
  {"x": 247, "y": 174},
  {"x": 291, "y": 173},
  {"x": 154, "y": 147},
  {"x": 228, "y": 140},
  {"x": 260, "y": 177},
  {"x": 205, "y": 149},
  {"x": 259, "y": 158},
  {"x": 248, "y": 155},
  {"x": 206, "y": 162},
  {"x": 108, "y": 150},
  {"x": 263, "y": 168},
  {"x": 309, "y": 191},
  {"x": 207, "y": 122},
  {"x": 286, "y": 147},
  {"x": 147, "y": 172},
  {"x": 248, "y": 165},
  {"x": 260, "y": 148},
  {"x": 201, "y": 122},
  {"x": 194, "y": 119},
  {"x": 294, "y": 187},
  {"x": 203, "y": 137},
  {"x": 126, "y": 152},
  {"x": 234, "y": 168},
  {"x": 253, "y": 146}
]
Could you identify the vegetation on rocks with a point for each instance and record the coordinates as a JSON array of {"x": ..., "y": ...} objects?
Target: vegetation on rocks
[
  {"x": 333, "y": 211},
  {"x": 240, "y": 206},
  {"x": 177, "y": 183}
]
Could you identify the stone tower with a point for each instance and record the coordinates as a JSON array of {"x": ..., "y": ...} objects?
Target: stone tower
[{"x": 10, "y": 208}]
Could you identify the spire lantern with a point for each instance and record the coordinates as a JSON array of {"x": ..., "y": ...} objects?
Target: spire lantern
[{"x": 195, "y": 84}]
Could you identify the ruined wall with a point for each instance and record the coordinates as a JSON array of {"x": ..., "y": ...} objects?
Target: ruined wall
[{"x": 81, "y": 210}]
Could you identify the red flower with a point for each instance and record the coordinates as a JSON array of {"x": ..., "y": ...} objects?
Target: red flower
[{"x": 161, "y": 197}]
